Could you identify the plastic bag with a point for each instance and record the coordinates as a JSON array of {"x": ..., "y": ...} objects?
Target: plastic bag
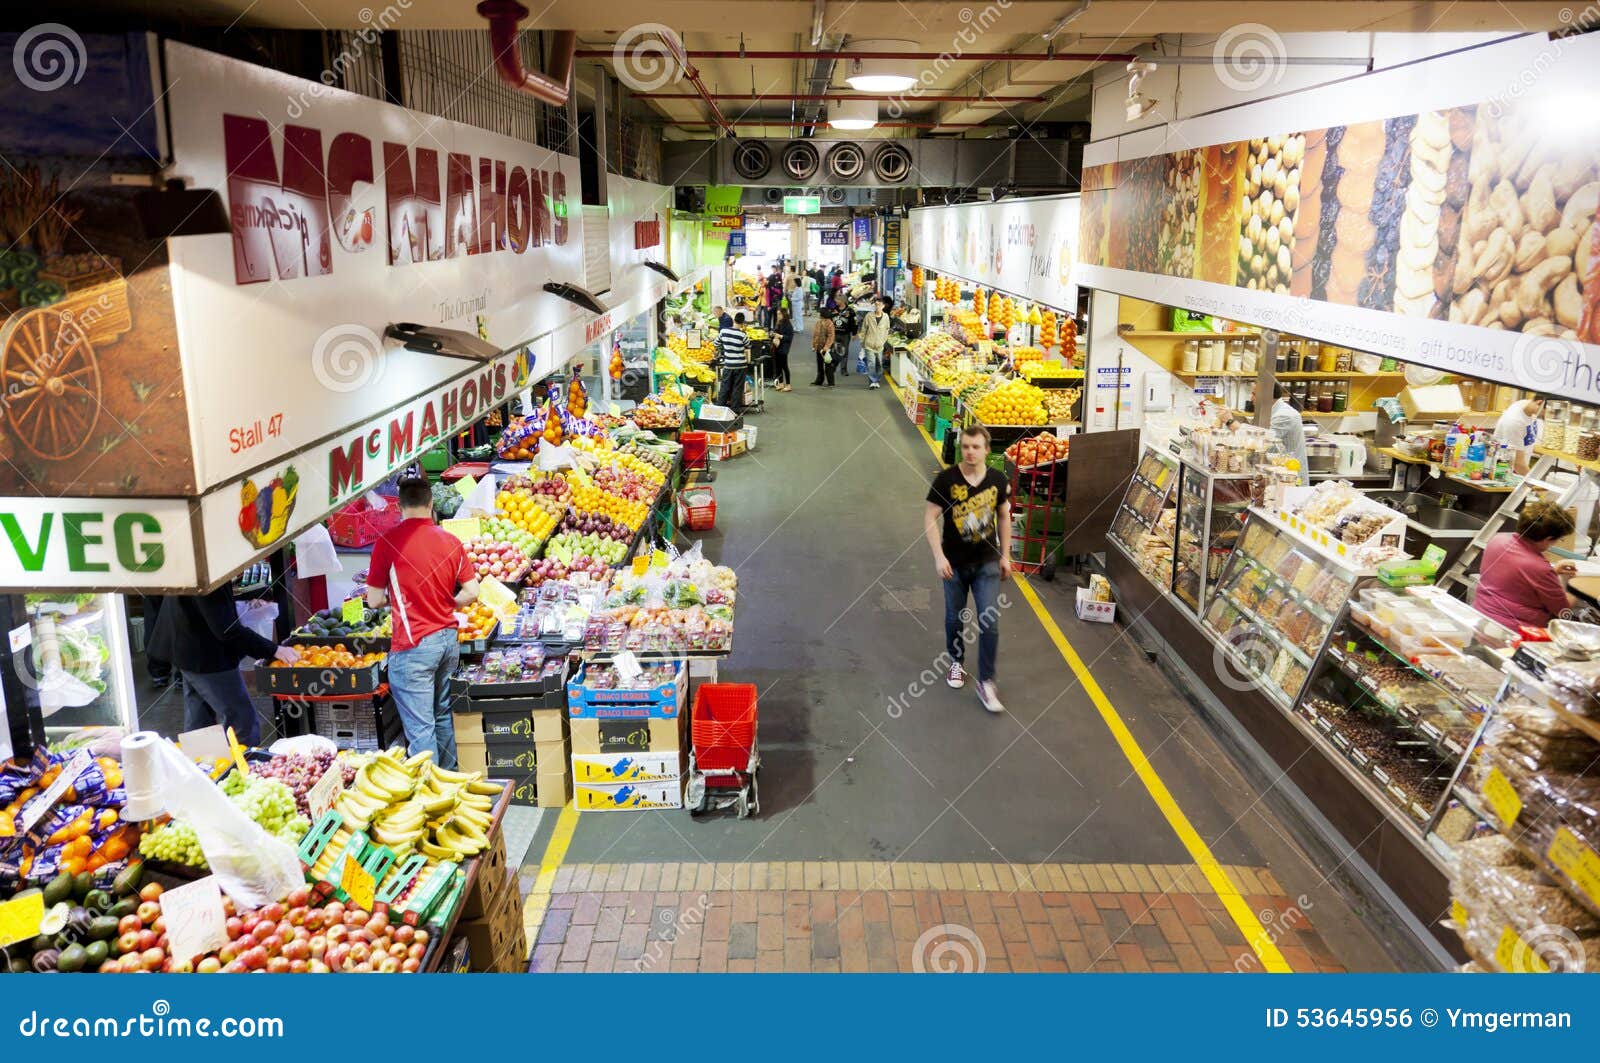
[
  {"x": 480, "y": 501},
  {"x": 314, "y": 554},
  {"x": 306, "y": 745},
  {"x": 252, "y": 866}
]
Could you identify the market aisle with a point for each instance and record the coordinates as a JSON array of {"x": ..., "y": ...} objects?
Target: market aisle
[{"x": 894, "y": 808}]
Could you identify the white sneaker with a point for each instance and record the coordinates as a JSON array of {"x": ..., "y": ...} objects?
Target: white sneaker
[
  {"x": 873, "y": 386},
  {"x": 990, "y": 697},
  {"x": 957, "y": 676}
]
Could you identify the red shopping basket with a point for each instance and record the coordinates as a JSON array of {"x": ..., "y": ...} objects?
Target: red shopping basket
[
  {"x": 694, "y": 449},
  {"x": 724, "y": 726},
  {"x": 697, "y": 508},
  {"x": 358, "y": 524}
]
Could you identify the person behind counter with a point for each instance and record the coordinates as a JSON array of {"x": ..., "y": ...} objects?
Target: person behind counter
[
  {"x": 1519, "y": 428},
  {"x": 1288, "y": 426},
  {"x": 1516, "y": 585}
]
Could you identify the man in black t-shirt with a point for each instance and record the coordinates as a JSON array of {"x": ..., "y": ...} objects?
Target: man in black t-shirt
[{"x": 968, "y": 523}]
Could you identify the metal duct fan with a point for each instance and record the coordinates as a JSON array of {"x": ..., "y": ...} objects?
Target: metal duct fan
[
  {"x": 891, "y": 163},
  {"x": 799, "y": 160},
  {"x": 846, "y": 161},
  {"x": 751, "y": 159}
]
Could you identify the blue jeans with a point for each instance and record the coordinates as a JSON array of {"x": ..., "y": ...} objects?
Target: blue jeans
[
  {"x": 220, "y": 698},
  {"x": 419, "y": 679},
  {"x": 875, "y": 366},
  {"x": 984, "y": 582}
]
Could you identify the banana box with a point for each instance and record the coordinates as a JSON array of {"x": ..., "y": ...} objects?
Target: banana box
[
  {"x": 628, "y": 797},
  {"x": 627, "y": 767},
  {"x": 630, "y": 736}
]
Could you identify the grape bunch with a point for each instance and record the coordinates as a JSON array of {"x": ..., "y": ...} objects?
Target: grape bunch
[
  {"x": 300, "y": 772},
  {"x": 174, "y": 843},
  {"x": 268, "y": 802}
]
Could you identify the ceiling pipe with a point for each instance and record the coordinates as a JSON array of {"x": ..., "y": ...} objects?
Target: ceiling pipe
[
  {"x": 504, "y": 39},
  {"x": 989, "y": 57},
  {"x": 836, "y": 96},
  {"x": 675, "y": 46},
  {"x": 820, "y": 123}
]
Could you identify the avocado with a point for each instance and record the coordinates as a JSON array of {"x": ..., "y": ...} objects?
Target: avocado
[
  {"x": 40, "y": 943},
  {"x": 94, "y": 954},
  {"x": 127, "y": 880},
  {"x": 98, "y": 902},
  {"x": 71, "y": 959},
  {"x": 82, "y": 884},
  {"x": 55, "y": 919},
  {"x": 19, "y": 965},
  {"x": 126, "y": 906},
  {"x": 78, "y": 923},
  {"x": 103, "y": 928},
  {"x": 57, "y": 890},
  {"x": 44, "y": 961}
]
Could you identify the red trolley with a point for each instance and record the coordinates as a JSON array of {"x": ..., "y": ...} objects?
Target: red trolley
[{"x": 723, "y": 758}]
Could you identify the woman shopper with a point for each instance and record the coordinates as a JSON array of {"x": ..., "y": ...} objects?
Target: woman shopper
[
  {"x": 1516, "y": 585},
  {"x": 783, "y": 332},
  {"x": 822, "y": 341},
  {"x": 796, "y": 302}
]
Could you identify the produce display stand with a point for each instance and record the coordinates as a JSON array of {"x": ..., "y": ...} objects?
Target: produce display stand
[
  {"x": 1038, "y": 515},
  {"x": 472, "y": 868}
]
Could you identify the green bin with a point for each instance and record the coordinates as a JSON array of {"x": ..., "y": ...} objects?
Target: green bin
[
  {"x": 947, "y": 407},
  {"x": 436, "y": 460},
  {"x": 941, "y": 427},
  {"x": 929, "y": 415}
]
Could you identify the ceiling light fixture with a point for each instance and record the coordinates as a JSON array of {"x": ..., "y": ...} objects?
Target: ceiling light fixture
[
  {"x": 870, "y": 74},
  {"x": 853, "y": 114},
  {"x": 1138, "y": 104}
]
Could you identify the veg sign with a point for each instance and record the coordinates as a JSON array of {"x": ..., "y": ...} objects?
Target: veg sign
[{"x": 83, "y": 543}]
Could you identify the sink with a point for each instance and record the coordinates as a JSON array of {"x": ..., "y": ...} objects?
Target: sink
[{"x": 1426, "y": 511}]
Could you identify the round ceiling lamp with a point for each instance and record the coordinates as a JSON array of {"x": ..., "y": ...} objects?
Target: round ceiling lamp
[
  {"x": 853, "y": 114},
  {"x": 871, "y": 74}
]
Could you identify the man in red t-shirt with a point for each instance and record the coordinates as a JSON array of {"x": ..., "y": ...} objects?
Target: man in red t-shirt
[{"x": 423, "y": 573}]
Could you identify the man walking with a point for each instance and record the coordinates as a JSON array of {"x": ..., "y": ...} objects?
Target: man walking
[
  {"x": 874, "y": 337},
  {"x": 423, "y": 572},
  {"x": 822, "y": 346},
  {"x": 734, "y": 346},
  {"x": 968, "y": 524}
]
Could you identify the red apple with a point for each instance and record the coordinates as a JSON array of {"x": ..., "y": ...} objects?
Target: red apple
[
  {"x": 318, "y": 947},
  {"x": 235, "y": 927},
  {"x": 209, "y": 965},
  {"x": 179, "y": 966},
  {"x": 389, "y": 965},
  {"x": 404, "y": 933},
  {"x": 254, "y": 958},
  {"x": 333, "y": 911},
  {"x": 421, "y": 936},
  {"x": 151, "y": 892},
  {"x": 318, "y": 967},
  {"x": 128, "y": 943},
  {"x": 416, "y": 952},
  {"x": 359, "y": 952},
  {"x": 297, "y": 950},
  {"x": 398, "y": 951},
  {"x": 130, "y": 924},
  {"x": 160, "y": 925},
  {"x": 277, "y": 965},
  {"x": 263, "y": 931},
  {"x": 228, "y": 907},
  {"x": 336, "y": 933},
  {"x": 149, "y": 912},
  {"x": 273, "y": 911},
  {"x": 360, "y": 968},
  {"x": 110, "y": 967},
  {"x": 411, "y": 966},
  {"x": 314, "y": 919},
  {"x": 299, "y": 966},
  {"x": 152, "y": 959},
  {"x": 229, "y": 952},
  {"x": 299, "y": 898},
  {"x": 132, "y": 963},
  {"x": 236, "y": 967},
  {"x": 295, "y": 916}
]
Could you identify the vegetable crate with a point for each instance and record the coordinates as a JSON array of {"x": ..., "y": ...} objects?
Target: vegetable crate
[
  {"x": 435, "y": 460},
  {"x": 320, "y": 682}
]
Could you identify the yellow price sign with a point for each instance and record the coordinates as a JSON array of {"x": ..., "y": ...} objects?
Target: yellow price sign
[
  {"x": 353, "y": 611},
  {"x": 641, "y": 564},
  {"x": 20, "y": 917},
  {"x": 357, "y": 883},
  {"x": 1577, "y": 861},
  {"x": 465, "y": 486},
  {"x": 1502, "y": 797},
  {"x": 238, "y": 753},
  {"x": 497, "y": 596},
  {"x": 1515, "y": 956},
  {"x": 465, "y": 528},
  {"x": 1458, "y": 914},
  {"x": 659, "y": 559}
]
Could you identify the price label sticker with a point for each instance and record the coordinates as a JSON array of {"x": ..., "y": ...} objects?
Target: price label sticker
[
  {"x": 465, "y": 528},
  {"x": 1458, "y": 914},
  {"x": 465, "y": 486},
  {"x": 1502, "y": 797},
  {"x": 196, "y": 923},
  {"x": 321, "y": 797},
  {"x": 627, "y": 666},
  {"x": 659, "y": 559},
  {"x": 1578, "y": 862},
  {"x": 353, "y": 611},
  {"x": 1515, "y": 956},
  {"x": 39, "y": 805},
  {"x": 21, "y": 638},
  {"x": 20, "y": 918},
  {"x": 641, "y": 564},
  {"x": 357, "y": 882}
]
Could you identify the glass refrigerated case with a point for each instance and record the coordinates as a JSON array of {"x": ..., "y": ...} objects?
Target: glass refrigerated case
[{"x": 76, "y": 661}]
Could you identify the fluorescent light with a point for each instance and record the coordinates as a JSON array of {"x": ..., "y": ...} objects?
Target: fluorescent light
[
  {"x": 853, "y": 114},
  {"x": 880, "y": 82},
  {"x": 867, "y": 73}
]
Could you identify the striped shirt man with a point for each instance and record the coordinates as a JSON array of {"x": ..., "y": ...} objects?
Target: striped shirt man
[{"x": 735, "y": 347}]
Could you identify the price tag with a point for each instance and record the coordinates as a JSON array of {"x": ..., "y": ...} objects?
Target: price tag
[
  {"x": 1578, "y": 862},
  {"x": 20, "y": 917},
  {"x": 1381, "y": 775},
  {"x": 465, "y": 528},
  {"x": 497, "y": 596},
  {"x": 641, "y": 564},
  {"x": 208, "y": 744},
  {"x": 321, "y": 797},
  {"x": 237, "y": 749},
  {"x": 627, "y": 666},
  {"x": 353, "y": 611},
  {"x": 1515, "y": 956},
  {"x": 1458, "y": 914},
  {"x": 659, "y": 559},
  {"x": 39, "y": 805},
  {"x": 465, "y": 486},
  {"x": 196, "y": 923},
  {"x": 1502, "y": 797},
  {"x": 21, "y": 638},
  {"x": 357, "y": 882}
]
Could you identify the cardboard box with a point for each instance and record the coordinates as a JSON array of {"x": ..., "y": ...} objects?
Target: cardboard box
[
  {"x": 549, "y": 725},
  {"x": 490, "y": 935},
  {"x": 628, "y": 767},
  {"x": 554, "y": 789},
  {"x": 492, "y": 887},
  {"x": 471, "y": 756},
  {"x": 1093, "y": 611},
  {"x": 514, "y": 960},
  {"x": 550, "y": 758},
  {"x": 469, "y": 728},
  {"x": 515, "y": 726},
  {"x": 664, "y": 701},
  {"x": 1438, "y": 402},
  {"x": 624, "y": 736},
  {"x": 524, "y": 788},
  {"x": 628, "y": 797}
]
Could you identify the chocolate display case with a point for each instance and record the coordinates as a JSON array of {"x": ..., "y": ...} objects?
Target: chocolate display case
[{"x": 1145, "y": 526}]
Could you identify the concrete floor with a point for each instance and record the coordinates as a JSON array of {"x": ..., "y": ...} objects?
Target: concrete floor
[{"x": 839, "y": 616}]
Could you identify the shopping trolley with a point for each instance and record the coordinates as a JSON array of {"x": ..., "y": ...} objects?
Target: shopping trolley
[{"x": 723, "y": 758}]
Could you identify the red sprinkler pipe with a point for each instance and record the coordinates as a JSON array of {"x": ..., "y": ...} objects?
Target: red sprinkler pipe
[
  {"x": 553, "y": 88},
  {"x": 987, "y": 57},
  {"x": 675, "y": 46}
]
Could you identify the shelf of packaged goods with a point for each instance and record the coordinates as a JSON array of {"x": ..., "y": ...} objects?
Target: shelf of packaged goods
[
  {"x": 1267, "y": 687},
  {"x": 1450, "y": 747},
  {"x": 1163, "y": 334},
  {"x": 1322, "y": 615},
  {"x": 1339, "y": 376},
  {"x": 1369, "y": 776},
  {"x": 1532, "y": 685},
  {"x": 1569, "y": 458},
  {"x": 1477, "y": 805},
  {"x": 1277, "y": 637},
  {"x": 1248, "y": 414},
  {"x": 1314, "y": 539},
  {"x": 1419, "y": 664}
]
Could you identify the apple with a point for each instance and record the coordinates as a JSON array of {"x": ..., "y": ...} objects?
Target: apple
[
  {"x": 399, "y": 951},
  {"x": 130, "y": 923},
  {"x": 299, "y": 897},
  {"x": 318, "y": 967},
  {"x": 179, "y": 966},
  {"x": 151, "y": 892},
  {"x": 314, "y": 920},
  {"x": 377, "y": 925},
  {"x": 354, "y": 917},
  {"x": 160, "y": 925},
  {"x": 302, "y": 933},
  {"x": 234, "y": 926},
  {"x": 416, "y": 952},
  {"x": 209, "y": 965},
  {"x": 295, "y": 916},
  {"x": 317, "y": 947},
  {"x": 299, "y": 966},
  {"x": 152, "y": 959},
  {"x": 332, "y": 912},
  {"x": 389, "y": 965},
  {"x": 128, "y": 943},
  {"x": 297, "y": 950},
  {"x": 404, "y": 933},
  {"x": 273, "y": 912},
  {"x": 254, "y": 958},
  {"x": 411, "y": 966},
  {"x": 360, "y": 952},
  {"x": 229, "y": 952},
  {"x": 131, "y": 963},
  {"x": 228, "y": 907},
  {"x": 110, "y": 967},
  {"x": 149, "y": 912},
  {"x": 236, "y": 967},
  {"x": 336, "y": 933},
  {"x": 361, "y": 968},
  {"x": 277, "y": 965},
  {"x": 263, "y": 931}
]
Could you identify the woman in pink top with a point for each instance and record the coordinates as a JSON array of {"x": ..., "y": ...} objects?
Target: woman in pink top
[{"x": 1516, "y": 585}]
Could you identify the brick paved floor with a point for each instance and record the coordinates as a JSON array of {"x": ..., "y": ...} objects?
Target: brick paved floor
[{"x": 859, "y": 917}]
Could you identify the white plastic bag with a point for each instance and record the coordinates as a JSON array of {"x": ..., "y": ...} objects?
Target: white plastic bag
[
  {"x": 314, "y": 554},
  {"x": 479, "y": 501},
  {"x": 252, "y": 866},
  {"x": 260, "y": 616},
  {"x": 308, "y": 745}
]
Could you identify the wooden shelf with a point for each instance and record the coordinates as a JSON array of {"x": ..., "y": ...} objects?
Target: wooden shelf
[
  {"x": 1155, "y": 334},
  {"x": 1570, "y": 459},
  {"x": 1314, "y": 413},
  {"x": 1339, "y": 376}
]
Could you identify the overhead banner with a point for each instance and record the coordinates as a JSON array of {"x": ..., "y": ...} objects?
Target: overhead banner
[
  {"x": 1023, "y": 247},
  {"x": 111, "y": 544},
  {"x": 1460, "y": 237},
  {"x": 723, "y": 199},
  {"x": 347, "y": 214},
  {"x": 862, "y": 228},
  {"x": 891, "y": 243}
]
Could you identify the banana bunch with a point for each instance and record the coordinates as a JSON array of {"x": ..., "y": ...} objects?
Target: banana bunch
[{"x": 459, "y": 806}]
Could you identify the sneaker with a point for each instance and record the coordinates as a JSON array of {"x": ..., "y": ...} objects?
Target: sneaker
[
  {"x": 873, "y": 386},
  {"x": 990, "y": 697},
  {"x": 957, "y": 676}
]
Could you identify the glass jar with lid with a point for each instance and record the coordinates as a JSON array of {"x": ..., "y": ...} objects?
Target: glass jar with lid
[
  {"x": 1325, "y": 397},
  {"x": 1341, "y": 396},
  {"x": 1345, "y": 361},
  {"x": 1327, "y": 359},
  {"x": 1191, "y": 355}
]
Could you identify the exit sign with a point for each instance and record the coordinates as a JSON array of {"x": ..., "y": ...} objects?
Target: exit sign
[{"x": 802, "y": 204}]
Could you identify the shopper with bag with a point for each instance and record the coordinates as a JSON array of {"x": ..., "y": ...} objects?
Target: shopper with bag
[
  {"x": 783, "y": 336},
  {"x": 204, "y": 638},
  {"x": 822, "y": 344},
  {"x": 874, "y": 338},
  {"x": 422, "y": 572}
]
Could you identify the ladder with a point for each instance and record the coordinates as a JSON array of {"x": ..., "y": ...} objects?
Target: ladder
[{"x": 1457, "y": 574}]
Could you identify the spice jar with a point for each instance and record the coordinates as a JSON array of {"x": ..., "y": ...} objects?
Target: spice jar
[
  {"x": 1341, "y": 396},
  {"x": 1345, "y": 362},
  {"x": 1191, "y": 356},
  {"x": 1233, "y": 360},
  {"x": 1589, "y": 446},
  {"x": 1325, "y": 398},
  {"x": 1328, "y": 360}
]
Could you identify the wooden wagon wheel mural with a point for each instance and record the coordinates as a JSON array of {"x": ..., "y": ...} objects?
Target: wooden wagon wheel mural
[{"x": 51, "y": 382}]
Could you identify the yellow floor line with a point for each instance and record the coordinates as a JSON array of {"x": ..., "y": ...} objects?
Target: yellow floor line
[
  {"x": 555, "y": 851},
  {"x": 1255, "y": 935}
]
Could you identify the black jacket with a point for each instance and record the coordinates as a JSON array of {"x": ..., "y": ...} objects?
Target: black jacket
[
  {"x": 203, "y": 633},
  {"x": 785, "y": 331}
]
